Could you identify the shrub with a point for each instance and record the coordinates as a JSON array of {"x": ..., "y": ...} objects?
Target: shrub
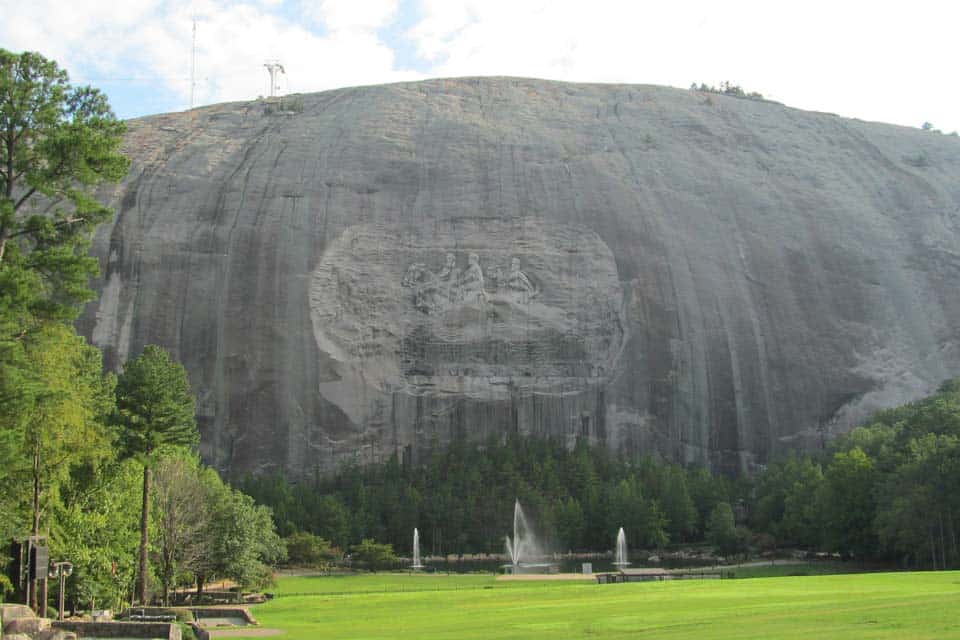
[
  {"x": 727, "y": 89},
  {"x": 370, "y": 554},
  {"x": 307, "y": 550}
]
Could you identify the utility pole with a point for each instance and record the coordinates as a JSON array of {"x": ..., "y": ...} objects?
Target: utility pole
[{"x": 273, "y": 66}]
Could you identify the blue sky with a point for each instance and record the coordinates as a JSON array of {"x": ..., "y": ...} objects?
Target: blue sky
[{"x": 879, "y": 60}]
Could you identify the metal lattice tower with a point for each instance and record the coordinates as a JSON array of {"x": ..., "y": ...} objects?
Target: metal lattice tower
[
  {"x": 273, "y": 66},
  {"x": 193, "y": 63}
]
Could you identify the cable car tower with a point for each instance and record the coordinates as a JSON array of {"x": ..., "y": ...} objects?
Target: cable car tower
[{"x": 275, "y": 68}]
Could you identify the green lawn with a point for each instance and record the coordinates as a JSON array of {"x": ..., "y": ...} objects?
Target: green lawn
[{"x": 878, "y": 605}]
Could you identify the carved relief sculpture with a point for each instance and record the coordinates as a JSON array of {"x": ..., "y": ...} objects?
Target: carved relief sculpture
[
  {"x": 519, "y": 284},
  {"x": 471, "y": 284},
  {"x": 471, "y": 324}
]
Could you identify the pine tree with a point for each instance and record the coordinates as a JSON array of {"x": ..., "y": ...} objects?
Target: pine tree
[
  {"x": 57, "y": 142},
  {"x": 155, "y": 408}
]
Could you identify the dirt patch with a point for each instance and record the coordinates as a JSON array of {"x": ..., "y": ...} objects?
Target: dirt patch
[
  {"x": 548, "y": 576},
  {"x": 244, "y": 633}
]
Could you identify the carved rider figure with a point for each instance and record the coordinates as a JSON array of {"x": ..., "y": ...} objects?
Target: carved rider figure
[
  {"x": 449, "y": 278},
  {"x": 471, "y": 284},
  {"x": 518, "y": 282}
]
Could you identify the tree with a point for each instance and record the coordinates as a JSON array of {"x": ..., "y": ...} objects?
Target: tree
[
  {"x": 723, "y": 533},
  {"x": 678, "y": 506},
  {"x": 155, "y": 409},
  {"x": 373, "y": 556},
  {"x": 331, "y": 520},
  {"x": 89, "y": 531},
  {"x": 307, "y": 550},
  {"x": 916, "y": 512},
  {"x": 706, "y": 491},
  {"x": 240, "y": 541},
  {"x": 183, "y": 516},
  {"x": 53, "y": 418},
  {"x": 57, "y": 142},
  {"x": 800, "y": 523},
  {"x": 640, "y": 517},
  {"x": 846, "y": 503},
  {"x": 570, "y": 523},
  {"x": 785, "y": 501}
]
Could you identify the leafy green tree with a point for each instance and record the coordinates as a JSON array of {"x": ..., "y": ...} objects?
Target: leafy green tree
[
  {"x": 240, "y": 541},
  {"x": 57, "y": 142},
  {"x": 331, "y": 520},
  {"x": 878, "y": 439},
  {"x": 53, "y": 418},
  {"x": 641, "y": 518},
  {"x": 5, "y": 585},
  {"x": 677, "y": 505},
  {"x": 155, "y": 409},
  {"x": 90, "y": 530},
  {"x": 846, "y": 503},
  {"x": 722, "y": 531},
  {"x": 570, "y": 523},
  {"x": 785, "y": 502},
  {"x": 584, "y": 484},
  {"x": 706, "y": 491},
  {"x": 374, "y": 556},
  {"x": 307, "y": 550},
  {"x": 800, "y": 524},
  {"x": 919, "y": 502},
  {"x": 771, "y": 489}
]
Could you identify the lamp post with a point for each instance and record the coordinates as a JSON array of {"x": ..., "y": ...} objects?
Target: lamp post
[{"x": 61, "y": 570}]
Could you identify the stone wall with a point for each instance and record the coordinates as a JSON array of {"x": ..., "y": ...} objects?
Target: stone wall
[{"x": 156, "y": 630}]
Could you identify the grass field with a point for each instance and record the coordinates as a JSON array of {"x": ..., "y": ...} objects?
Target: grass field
[{"x": 878, "y": 605}]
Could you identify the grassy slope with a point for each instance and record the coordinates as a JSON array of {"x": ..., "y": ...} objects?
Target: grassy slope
[{"x": 890, "y": 605}]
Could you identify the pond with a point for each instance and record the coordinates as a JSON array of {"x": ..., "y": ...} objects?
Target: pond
[{"x": 600, "y": 564}]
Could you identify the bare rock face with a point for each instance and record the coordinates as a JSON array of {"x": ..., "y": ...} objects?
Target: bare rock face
[{"x": 708, "y": 278}]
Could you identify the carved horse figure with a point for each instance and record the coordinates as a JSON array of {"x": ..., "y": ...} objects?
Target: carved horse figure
[{"x": 428, "y": 296}]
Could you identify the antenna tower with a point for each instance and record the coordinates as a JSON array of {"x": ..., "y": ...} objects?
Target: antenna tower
[
  {"x": 193, "y": 62},
  {"x": 273, "y": 66}
]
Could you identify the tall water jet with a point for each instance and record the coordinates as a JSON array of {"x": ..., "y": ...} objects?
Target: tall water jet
[
  {"x": 522, "y": 546},
  {"x": 620, "y": 559},
  {"x": 523, "y": 549},
  {"x": 417, "y": 565}
]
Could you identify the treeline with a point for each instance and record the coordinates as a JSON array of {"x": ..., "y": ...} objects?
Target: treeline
[
  {"x": 72, "y": 467},
  {"x": 728, "y": 89},
  {"x": 462, "y": 499},
  {"x": 888, "y": 491},
  {"x": 98, "y": 468}
]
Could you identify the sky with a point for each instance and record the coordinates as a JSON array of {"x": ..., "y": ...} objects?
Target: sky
[{"x": 879, "y": 60}]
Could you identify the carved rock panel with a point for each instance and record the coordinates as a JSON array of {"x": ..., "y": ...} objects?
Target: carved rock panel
[{"x": 481, "y": 307}]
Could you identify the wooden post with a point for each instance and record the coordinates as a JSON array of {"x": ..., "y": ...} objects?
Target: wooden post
[{"x": 43, "y": 596}]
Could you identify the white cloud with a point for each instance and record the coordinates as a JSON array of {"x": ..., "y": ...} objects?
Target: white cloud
[
  {"x": 352, "y": 15},
  {"x": 875, "y": 60}
]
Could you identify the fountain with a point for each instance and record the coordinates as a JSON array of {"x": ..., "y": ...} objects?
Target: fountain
[
  {"x": 417, "y": 565},
  {"x": 523, "y": 547},
  {"x": 620, "y": 560},
  {"x": 522, "y": 538}
]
